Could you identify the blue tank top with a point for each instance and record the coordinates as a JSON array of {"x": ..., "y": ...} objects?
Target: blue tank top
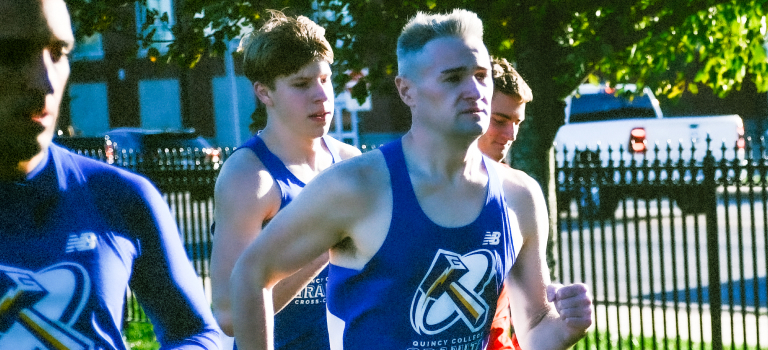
[
  {"x": 302, "y": 323},
  {"x": 428, "y": 286}
]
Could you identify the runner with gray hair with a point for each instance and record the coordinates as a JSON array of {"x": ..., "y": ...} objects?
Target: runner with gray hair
[{"x": 424, "y": 231}]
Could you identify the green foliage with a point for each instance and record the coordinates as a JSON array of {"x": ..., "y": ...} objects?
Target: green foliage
[
  {"x": 670, "y": 45},
  {"x": 201, "y": 27},
  {"x": 91, "y": 17},
  {"x": 715, "y": 45},
  {"x": 666, "y": 44},
  {"x": 140, "y": 336}
]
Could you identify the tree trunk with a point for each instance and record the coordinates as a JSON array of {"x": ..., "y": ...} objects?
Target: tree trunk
[{"x": 532, "y": 152}]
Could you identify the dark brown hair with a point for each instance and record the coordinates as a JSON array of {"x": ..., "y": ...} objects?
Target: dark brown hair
[{"x": 506, "y": 80}]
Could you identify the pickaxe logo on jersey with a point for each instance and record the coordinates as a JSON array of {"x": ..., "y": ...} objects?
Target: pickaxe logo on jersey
[
  {"x": 451, "y": 291},
  {"x": 29, "y": 309}
]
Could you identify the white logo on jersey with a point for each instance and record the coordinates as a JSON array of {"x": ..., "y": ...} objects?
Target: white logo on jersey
[
  {"x": 491, "y": 238},
  {"x": 451, "y": 291},
  {"x": 39, "y": 308},
  {"x": 82, "y": 242}
]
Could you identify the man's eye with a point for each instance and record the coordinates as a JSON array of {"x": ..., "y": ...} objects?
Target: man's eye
[
  {"x": 453, "y": 79},
  {"x": 301, "y": 85},
  {"x": 57, "y": 52}
]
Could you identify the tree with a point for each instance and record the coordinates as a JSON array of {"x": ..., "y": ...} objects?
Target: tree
[{"x": 670, "y": 45}]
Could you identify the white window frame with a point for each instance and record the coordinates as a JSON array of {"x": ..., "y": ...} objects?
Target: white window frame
[{"x": 163, "y": 31}]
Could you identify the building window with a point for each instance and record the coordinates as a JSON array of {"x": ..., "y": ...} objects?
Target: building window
[
  {"x": 160, "y": 104},
  {"x": 162, "y": 12},
  {"x": 89, "y": 108}
]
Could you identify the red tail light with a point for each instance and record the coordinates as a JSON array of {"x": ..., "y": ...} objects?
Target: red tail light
[
  {"x": 215, "y": 155},
  {"x": 740, "y": 143},
  {"x": 109, "y": 150},
  {"x": 637, "y": 143}
]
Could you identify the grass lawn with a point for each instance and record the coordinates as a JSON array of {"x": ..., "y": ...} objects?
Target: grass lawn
[
  {"x": 140, "y": 336},
  {"x": 599, "y": 341}
]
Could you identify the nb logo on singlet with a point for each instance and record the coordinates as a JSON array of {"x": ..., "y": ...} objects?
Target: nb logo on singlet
[
  {"x": 491, "y": 238},
  {"x": 81, "y": 242}
]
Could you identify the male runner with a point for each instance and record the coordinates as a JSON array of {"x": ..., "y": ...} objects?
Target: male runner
[
  {"x": 424, "y": 231},
  {"x": 510, "y": 95},
  {"x": 288, "y": 61},
  {"x": 76, "y": 232}
]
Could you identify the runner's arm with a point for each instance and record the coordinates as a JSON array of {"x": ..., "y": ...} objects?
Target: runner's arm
[
  {"x": 544, "y": 317},
  {"x": 246, "y": 197},
  {"x": 312, "y": 224},
  {"x": 163, "y": 279}
]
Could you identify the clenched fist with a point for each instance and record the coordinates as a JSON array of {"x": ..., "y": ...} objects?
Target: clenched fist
[{"x": 574, "y": 305}]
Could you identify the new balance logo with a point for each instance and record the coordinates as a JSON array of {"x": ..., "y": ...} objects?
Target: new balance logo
[
  {"x": 491, "y": 238},
  {"x": 81, "y": 242}
]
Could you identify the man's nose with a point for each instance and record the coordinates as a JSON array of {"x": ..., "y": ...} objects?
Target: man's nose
[
  {"x": 475, "y": 89},
  {"x": 322, "y": 92},
  {"x": 510, "y": 131}
]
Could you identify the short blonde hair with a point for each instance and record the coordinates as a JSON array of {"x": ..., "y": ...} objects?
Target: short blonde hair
[{"x": 425, "y": 27}]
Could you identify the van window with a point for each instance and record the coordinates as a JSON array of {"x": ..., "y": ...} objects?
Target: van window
[{"x": 605, "y": 106}]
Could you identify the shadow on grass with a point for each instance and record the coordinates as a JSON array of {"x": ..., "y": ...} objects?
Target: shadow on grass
[{"x": 733, "y": 293}]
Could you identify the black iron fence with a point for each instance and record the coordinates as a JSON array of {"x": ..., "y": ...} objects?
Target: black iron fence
[
  {"x": 673, "y": 249},
  {"x": 646, "y": 232},
  {"x": 186, "y": 179}
]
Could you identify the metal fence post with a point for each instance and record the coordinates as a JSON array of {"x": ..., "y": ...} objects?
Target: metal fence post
[{"x": 713, "y": 252}]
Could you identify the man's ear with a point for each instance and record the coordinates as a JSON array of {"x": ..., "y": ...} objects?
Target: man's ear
[
  {"x": 263, "y": 93},
  {"x": 404, "y": 86}
]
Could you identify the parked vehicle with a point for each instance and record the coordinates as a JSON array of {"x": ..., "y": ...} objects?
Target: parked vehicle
[
  {"x": 146, "y": 148},
  {"x": 94, "y": 146},
  {"x": 164, "y": 148},
  {"x": 605, "y": 127}
]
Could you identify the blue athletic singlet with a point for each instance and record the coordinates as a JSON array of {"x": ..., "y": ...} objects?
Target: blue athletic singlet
[
  {"x": 74, "y": 237},
  {"x": 302, "y": 323},
  {"x": 428, "y": 287}
]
